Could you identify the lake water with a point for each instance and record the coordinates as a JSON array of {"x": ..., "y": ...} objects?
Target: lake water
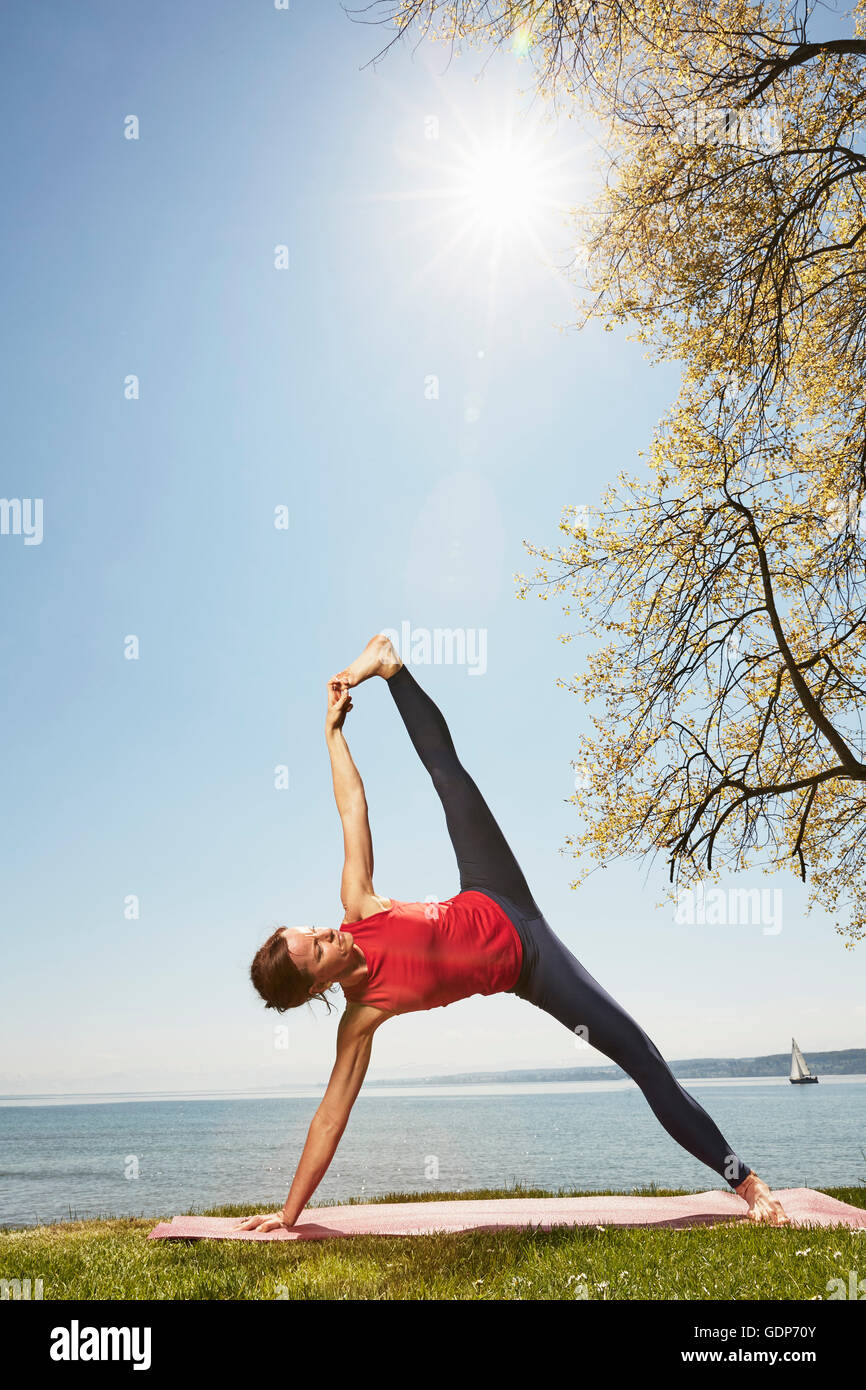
[{"x": 162, "y": 1155}]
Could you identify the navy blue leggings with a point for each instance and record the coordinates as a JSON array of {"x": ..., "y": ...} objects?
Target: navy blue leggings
[{"x": 551, "y": 978}]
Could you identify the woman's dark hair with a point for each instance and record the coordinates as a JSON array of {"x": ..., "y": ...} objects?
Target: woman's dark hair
[{"x": 278, "y": 980}]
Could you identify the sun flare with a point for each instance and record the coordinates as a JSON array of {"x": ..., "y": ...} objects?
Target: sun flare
[
  {"x": 503, "y": 188},
  {"x": 493, "y": 197}
]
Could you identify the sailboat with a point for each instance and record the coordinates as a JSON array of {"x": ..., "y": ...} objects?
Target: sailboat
[{"x": 800, "y": 1073}]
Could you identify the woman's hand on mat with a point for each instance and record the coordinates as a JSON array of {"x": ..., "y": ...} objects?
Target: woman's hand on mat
[
  {"x": 265, "y": 1223},
  {"x": 339, "y": 704}
]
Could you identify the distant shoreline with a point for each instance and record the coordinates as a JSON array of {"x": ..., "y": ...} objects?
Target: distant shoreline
[
  {"x": 851, "y": 1062},
  {"x": 825, "y": 1065}
]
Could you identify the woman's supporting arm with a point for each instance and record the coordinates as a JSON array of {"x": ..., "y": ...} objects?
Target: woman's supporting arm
[
  {"x": 354, "y": 1046},
  {"x": 330, "y": 1120},
  {"x": 322, "y": 1141}
]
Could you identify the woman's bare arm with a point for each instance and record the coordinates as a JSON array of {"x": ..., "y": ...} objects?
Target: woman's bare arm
[
  {"x": 329, "y": 1121},
  {"x": 357, "y": 893},
  {"x": 354, "y": 1045}
]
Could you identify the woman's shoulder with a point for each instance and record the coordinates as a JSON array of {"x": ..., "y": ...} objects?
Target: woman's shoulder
[
  {"x": 360, "y": 1018},
  {"x": 371, "y": 905}
]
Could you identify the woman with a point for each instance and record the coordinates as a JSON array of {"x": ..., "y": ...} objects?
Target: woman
[{"x": 490, "y": 937}]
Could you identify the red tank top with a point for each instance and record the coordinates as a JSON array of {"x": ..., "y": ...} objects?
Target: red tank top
[{"x": 427, "y": 955}]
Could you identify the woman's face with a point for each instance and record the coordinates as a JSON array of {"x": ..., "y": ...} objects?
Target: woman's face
[{"x": 323, "y": 952}]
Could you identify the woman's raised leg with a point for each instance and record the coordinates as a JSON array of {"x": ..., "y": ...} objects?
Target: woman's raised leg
[{"x": 484, "y": 858}]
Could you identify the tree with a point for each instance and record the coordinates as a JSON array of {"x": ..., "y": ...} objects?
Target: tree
[{"x": 729, "y": 576}]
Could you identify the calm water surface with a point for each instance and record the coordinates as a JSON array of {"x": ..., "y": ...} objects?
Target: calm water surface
[{"x": 159, "y": 1156}]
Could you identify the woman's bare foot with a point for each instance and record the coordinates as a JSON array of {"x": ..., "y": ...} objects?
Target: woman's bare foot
[
  {"x": 763, "y": 1206},
  {"x": 377, "y": 659}
]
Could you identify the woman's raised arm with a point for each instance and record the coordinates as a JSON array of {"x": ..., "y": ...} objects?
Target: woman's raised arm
[{"x": 356, "y": 886}]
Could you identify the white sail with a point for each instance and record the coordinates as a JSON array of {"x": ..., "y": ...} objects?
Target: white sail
[{"x": 799, "y": 1068}]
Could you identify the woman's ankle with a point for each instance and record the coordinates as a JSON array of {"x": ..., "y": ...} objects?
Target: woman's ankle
[{"x": 391, "y": 661}]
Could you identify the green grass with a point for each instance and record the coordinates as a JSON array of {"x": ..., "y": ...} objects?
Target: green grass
[{"x": 111, "y": 1259}]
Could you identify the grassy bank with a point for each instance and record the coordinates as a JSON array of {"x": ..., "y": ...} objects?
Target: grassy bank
[{"x": 112, "y": 1259}]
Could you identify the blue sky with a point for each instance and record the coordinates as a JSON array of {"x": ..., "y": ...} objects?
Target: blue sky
[{"x": 306, "y": 387}]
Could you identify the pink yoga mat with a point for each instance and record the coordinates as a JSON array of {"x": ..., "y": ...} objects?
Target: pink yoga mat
[{"x": 804, "y": 1206}]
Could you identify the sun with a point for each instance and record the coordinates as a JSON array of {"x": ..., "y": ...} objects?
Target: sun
[
  {"x": 493, "y": 189},
  {"x": 504, "y": 188}
]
